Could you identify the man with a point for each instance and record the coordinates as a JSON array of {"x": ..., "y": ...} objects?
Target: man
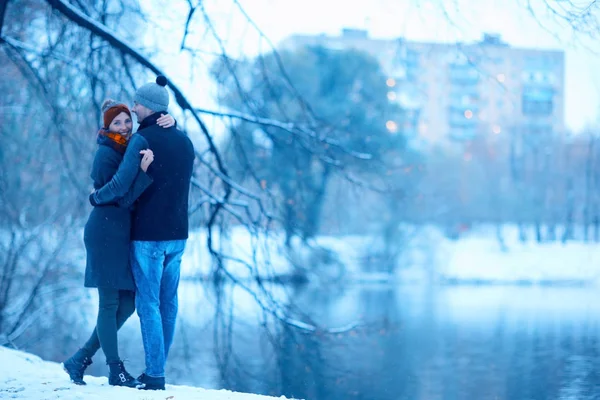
[{"x": 159, "y": 229}]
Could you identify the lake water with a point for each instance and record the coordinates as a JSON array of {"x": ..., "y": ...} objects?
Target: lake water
[{"x": 413, "y": 342}]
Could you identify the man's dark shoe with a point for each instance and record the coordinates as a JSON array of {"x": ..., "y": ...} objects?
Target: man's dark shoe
[
  {"x": 151, "y": 382},
  {"x": 118, "y": 376},
  {"x": 75, "y": 367}
]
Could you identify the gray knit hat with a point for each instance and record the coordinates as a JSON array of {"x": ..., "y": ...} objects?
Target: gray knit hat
[{"x": 153, "y": 95}]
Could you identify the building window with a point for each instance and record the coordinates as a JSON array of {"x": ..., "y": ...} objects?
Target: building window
[
  {"x": 536, "y": 107},
  {"x": 538, "y": 129},
  {"x": 463, "y": 74},
  {"x": 463, "y": 133},
  {"x": 537, "y": 101}
]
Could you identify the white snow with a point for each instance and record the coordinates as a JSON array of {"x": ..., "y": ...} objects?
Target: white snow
[
  {"x": 479, "y": 258},
  {"x": 426, "y": 254},
  {"x": 26, "y": 376}
]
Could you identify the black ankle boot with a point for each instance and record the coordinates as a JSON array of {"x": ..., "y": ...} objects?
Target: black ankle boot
[
  {"x": 119, "y": 376},
  {"x": 76, "y": 365},
  {"x": 151, "y": 383}
]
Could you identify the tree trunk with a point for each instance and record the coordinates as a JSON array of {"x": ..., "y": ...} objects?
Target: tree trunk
[
  {"x": 551, "y": 232},
  {"x": 588, "y": 188},
  {"x": 314, "y": 208},
  {"x": 522, "y": 233},
  {"x": 538, "y": 231},
  {"x": 500, "y": 237}
]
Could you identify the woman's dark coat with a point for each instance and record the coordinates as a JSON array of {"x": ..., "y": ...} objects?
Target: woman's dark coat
[{"x": 107, "y": 232}]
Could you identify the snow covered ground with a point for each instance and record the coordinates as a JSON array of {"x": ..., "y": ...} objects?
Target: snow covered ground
[{"x": 25, "y": 376}]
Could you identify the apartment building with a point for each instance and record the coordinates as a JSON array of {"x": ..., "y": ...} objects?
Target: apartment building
[{"x": 455, "y": 92}]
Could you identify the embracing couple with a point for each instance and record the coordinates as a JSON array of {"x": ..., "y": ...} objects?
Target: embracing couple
[{"x": 136, "y": 233}]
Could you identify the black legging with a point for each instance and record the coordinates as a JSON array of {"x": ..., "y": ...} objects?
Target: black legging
[{"x": 115, "y": 307}]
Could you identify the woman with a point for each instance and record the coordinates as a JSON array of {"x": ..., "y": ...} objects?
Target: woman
[{"x": 106, "y": 238}]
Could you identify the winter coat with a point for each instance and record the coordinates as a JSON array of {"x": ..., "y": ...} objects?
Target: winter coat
[
  {"x": 107, "y": 231},
  {"x": 161, "y": 212}
]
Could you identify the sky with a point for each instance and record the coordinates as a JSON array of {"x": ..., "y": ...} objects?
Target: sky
[{"x": 422, "y": 20}]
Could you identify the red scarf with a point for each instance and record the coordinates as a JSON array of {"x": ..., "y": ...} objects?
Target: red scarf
[{"x": 114, "y": 140}]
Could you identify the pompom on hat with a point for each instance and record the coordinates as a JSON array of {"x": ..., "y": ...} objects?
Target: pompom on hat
[{"x": 154, "y": 95}]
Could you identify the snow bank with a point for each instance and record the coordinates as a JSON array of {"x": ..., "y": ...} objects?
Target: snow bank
[
  {"x": 479, "y": 258},
  {"x": 424, "y": 254},
  {"x": 25, "y": 376}
]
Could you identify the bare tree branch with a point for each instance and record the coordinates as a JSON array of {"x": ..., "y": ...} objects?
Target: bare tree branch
[
  {"x": 82, "y": 20},
  {"x": 288, "y": 127},
  {"x": 3, "y": 5}
]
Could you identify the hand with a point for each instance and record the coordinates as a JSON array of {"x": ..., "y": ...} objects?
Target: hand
[
  {"x": 165, "y": 121},
  {"x": 91, "y": 199},
  {"x": 147, "y": 158}
]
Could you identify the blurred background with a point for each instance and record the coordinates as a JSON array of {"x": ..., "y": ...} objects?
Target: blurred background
[{"x": 391, "y": 200}]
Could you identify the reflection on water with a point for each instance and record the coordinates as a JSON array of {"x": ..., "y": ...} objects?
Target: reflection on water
[{"x": 415, "y": 342}]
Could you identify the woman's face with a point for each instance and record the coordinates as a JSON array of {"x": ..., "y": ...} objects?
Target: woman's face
[{"x": 121, "y": 124}]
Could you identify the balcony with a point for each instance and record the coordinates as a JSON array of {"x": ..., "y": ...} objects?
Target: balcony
[
  {"x": 471, "y": 91},
  {"x": 412, "y": 59},
  {"x": 537, "y": 101},
  {"x": 537, "y": 129},
  {"x": 407, "y": 64},
  {"x": 410, "y": 117},
  {"x": 463, "y": 133},
  {"x": 463, "y": 102},
  {"x": 459, "y": 111},
  {"x": 463, "y": 75},
  {"x": 461, "y": 122},
  {"x": 539, "y": 90},
  {"x": 413, "y": 74},
  {"x": 537, "y": 108}
]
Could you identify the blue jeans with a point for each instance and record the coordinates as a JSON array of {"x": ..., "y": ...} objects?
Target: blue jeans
[{"x": 156, "y": 267}]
